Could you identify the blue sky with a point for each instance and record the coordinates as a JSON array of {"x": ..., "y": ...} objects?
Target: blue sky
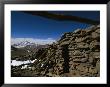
[{"x": 29, "y": 26}]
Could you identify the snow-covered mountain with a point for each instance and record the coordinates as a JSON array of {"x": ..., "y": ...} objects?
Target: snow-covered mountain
[{"x": 23, "y": 42}]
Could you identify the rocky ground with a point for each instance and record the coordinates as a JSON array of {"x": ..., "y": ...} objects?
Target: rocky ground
[{"x": 76, "y": 54}]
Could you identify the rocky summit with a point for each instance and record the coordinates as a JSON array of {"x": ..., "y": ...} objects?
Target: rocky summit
[{"x": 76, "y": 54}]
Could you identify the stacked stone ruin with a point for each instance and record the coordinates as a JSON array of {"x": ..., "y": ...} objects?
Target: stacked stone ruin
[{"x": 76, "y": 54}]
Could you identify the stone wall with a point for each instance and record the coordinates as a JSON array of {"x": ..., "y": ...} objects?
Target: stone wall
[{"x": 83, "y": 53}]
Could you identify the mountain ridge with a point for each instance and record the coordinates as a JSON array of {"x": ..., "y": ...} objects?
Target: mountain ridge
[{"x": 23, "y": 42}]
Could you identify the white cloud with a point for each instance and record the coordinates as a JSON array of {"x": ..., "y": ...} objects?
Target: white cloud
[{"x": 32, "y": 40}]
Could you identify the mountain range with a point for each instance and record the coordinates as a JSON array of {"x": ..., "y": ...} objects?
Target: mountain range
[
  {"x": 21, "y": 48},
  {"x": 30, "y": 42}
]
